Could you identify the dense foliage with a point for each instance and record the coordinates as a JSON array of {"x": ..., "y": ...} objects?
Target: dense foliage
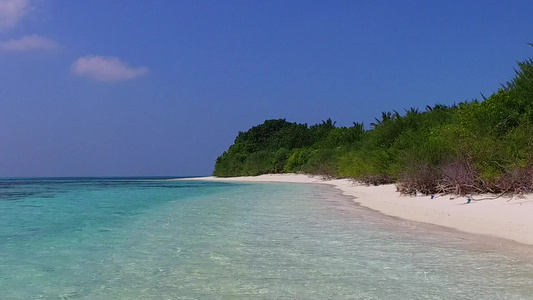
[{"x": 470, "y": 147}]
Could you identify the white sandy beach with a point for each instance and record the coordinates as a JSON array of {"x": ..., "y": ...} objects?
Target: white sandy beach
[{"x": 504, "y": 217}]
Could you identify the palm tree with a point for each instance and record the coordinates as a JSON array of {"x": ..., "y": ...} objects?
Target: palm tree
[
  {"x": 385, "y": 116},
  {"x": 359, "y": 126},
  {"x": 412, "y": 111},
  {"x": 328, "y": 123}
]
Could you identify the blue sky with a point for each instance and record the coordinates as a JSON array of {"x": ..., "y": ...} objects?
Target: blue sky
[{"x": 118, "y": 88}]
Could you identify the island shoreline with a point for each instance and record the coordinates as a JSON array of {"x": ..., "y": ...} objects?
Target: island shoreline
[{"x": 504, "y": 217}]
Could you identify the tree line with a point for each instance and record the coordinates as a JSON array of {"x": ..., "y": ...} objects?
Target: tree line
[{"x": 469, "y": 147}]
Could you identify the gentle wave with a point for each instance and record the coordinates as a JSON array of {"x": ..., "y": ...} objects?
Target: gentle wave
[{"x": 130, "y": 239}]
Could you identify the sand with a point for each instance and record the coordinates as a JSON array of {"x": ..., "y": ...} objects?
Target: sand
[{"x": 503, "y": 217}]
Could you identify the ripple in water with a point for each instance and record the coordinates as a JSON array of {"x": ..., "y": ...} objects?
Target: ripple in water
[{"x": 195, "y": 240}]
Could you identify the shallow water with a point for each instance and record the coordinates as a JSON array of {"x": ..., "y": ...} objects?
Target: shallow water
[{"x": 140, "y": 239}]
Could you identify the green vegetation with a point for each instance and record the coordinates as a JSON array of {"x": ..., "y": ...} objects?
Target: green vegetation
[{"x": 470, "y": 147}]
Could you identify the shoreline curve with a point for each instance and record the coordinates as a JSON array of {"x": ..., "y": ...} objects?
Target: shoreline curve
[{"x": 503, "y": 217}]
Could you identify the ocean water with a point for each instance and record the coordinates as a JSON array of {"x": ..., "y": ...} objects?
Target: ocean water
[{"x": 157, "y": 239}]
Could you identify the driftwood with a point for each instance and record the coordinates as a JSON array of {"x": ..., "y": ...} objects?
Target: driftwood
[{"x": 460, "y": 178}]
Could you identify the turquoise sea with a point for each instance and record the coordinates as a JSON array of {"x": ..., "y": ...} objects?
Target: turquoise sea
[{"x": 124, "y": 238}]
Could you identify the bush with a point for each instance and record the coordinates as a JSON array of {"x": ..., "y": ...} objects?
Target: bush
[{"x": 471, "y": 147}]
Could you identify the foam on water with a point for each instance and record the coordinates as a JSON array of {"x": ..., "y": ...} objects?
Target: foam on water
[{"x": 124, "y": 239}]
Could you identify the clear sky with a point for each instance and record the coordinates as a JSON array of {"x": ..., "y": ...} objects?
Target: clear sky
[{"x": 132, "y": 88}]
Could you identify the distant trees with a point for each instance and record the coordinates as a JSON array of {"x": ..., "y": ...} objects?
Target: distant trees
[
  {"x": 263, "y": 149},
  {"x": 469, "y": 147}
]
